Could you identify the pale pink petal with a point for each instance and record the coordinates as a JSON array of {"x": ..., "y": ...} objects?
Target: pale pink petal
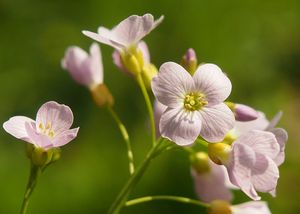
[
  {"x": 171, "y": 84},
  {"x": 261, "y": 123},
  {"x": 275, "y": 120},
  {"x": 245, "y": 113},
  {"x": 180, "y": 126},
  {"x": 158, "y": 111},
  {"x": 16, "y": 127},
  {"x": 145, "y": 51},
  {"x": 239, "y": 169},
  {"x": 65, "y": 137},
  {"x": 118, "y": 61},
  {"x": 281, "y": 137},
  {"x": 38, "y": 139},
  {"x": 216, "y": 120},
  {"x": 213, "y": 83},
  {"x": 261, "y": 142},
  {"x": 96, "y": 65},
  {"x": 253, "y": 207},
  {"x": 55, "y": 117},
  {"x": 264, "y": 174},
  {"x": 211, "y": 185}
]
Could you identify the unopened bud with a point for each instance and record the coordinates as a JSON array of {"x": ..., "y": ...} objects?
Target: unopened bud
[
  {"x": 41, "y": 157},
  {"x": 102, "y": 96},
  {"x": 219, "y": 207},
  {"x": 189, "y": 61},
  {"x": 149, "y": 71},
  {"x": 219, "y": 153},
  {"x": 200, "y": 162},
  {"x": 242, "y": 112}
]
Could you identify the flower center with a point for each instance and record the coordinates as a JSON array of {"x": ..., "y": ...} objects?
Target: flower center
[
  {"x": 47, "y": 130},
  {"x": 194, "y": 101}
]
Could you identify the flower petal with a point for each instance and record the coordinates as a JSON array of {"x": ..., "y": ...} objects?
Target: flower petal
[
  {"x": 239, "y": 169},
  {"x": 65, "y": 137},
  {"x": 261, "y": 142},
  {"x": 211, "y": 185},
  {"x": 281, "y": 137},
  {"x": 179, "y": 126},
  {"x": 158, "y": 111},
  {"x": 96, "y": 64},
  {"x": 264, "y": 174},
  {"x": 55, "y": 116},
  {"x": 145, "y": 51},
  {"x": 257, "y": 207},
  {"x": 213, "y": 83},
  {"x": 275, "y": 120},
  {"x": 216, "y": 120},
  {"x": 38, "y": 139},
  {"x": 16, "y": 127},
  {"x": 171, "y": 84}
]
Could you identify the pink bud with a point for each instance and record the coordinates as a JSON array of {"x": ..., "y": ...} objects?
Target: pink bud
[{"x": 245, "y": 113}]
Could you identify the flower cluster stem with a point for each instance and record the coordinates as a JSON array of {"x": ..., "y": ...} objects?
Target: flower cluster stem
[
  {"x": 125, "y": 136},
  {"x": 149, "y": 106},
  {"x": 133, "y": 180},
  {"x": 35, "y": 172},
  {"x": 166, "y": 198}
]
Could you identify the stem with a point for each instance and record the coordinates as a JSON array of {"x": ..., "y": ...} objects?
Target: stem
[
  {"x": 167, "y": 198},
  {"x": 202, "y": 142},
  {"x": 132, "y": 182},
  {"x": 35, "y": 171},
  {"x": 125, "y": 137},
  {"x": 149, "y": 106}
]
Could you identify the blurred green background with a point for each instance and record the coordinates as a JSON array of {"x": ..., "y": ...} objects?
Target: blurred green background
[{"x": 256, "y": 42}]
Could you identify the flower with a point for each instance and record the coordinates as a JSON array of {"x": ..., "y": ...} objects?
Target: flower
[
  {"x": 251, "y": 162},
  {"x": 211, "y": 180},
  {"x": 50, "y": 129},
  {"x": 127, "y": 33},
  {"x": 195, "y": 104},
  {"x": 257, "y": 207},
  {"x": 86, "y": 69}
]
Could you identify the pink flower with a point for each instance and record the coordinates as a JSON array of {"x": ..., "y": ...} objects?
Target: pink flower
[
  {"x": 213, "y": 184},
  {"x": 50, "y": 129},
  {"x": 251, "y": 165},
  {"x": 195, "y": 104},
  {"x": 261, "y": 123},
  {"x": 127, "y": 33},
  {"x": 252, "y": 207},
  {"x": 86, "y": 69}
]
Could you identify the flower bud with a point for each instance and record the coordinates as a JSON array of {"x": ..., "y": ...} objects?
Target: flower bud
[
  {"x": 242, "y": 112},
  {"x": 41, "y": 157},
  {"x": 189, "y": 61},
  {"x": 200, "y": 162},
  {"x": 219, "y": 153},
  {"x": 148, "y": 72},
  {"x": 219, "y": 207},
  {"x": 133, "y": 60},
  {"x": 102, "y": 96}
]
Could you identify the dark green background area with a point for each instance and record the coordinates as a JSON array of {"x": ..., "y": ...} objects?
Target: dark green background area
[{"x": 257, "y": 43}]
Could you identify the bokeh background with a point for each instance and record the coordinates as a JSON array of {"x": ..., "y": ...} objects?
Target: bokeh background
[{"x": 256, "y": 42}]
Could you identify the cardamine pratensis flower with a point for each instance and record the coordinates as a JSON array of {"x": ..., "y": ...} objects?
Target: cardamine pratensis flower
[
  {"x": 87, "y": 69},
  {"x": 252, "y": 207},
  {"x": 195, "y": 104},
  {"x": 125, "y": 38},
  {"x": 250, "y": 161},
  {"x": 51, "y": 128}
]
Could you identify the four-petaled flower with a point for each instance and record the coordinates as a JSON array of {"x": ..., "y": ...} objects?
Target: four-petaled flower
[
  {"x": 195, "y": 104},
  {"x": 50, "y": 129}
]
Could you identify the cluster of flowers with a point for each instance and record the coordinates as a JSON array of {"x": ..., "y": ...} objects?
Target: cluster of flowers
[{"x": 243, "y": 149}]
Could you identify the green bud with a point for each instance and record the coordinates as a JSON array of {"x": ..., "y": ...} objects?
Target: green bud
[
  {"x": 219, "y": 153},
  {"x": 41, "y": 157},
  {"x": 133, "y": 60},
  {"x": 200, "y": 162},
  {"x": 219, "y": 207},
  {"x": 148, "y": 72}
]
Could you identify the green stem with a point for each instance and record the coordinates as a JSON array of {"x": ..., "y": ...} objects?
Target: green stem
[
  {"x": 133, "y": 180},
  {"x": 35, "y": 171},
  {"x": 202, "y": 142},
  {"x": 125, "y": 137},
  {"x": 149, "y": 106},
  {"x": 167, "y": 198}
]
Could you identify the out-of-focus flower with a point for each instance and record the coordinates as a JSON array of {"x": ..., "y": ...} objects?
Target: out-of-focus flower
[
  {"x": 127, "y": 33},
  {"x": 51, "y": 128},
  {"x": 86, "y": 69},
  {"x": 211, "y": 180},
  {"x": 250, "y": 162},
  {"x": 252, "y": 207},
  {"x": 243, "y": 112},
  {"x": 195, "y": 104},
  {"x": 189, "y": 61}
]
